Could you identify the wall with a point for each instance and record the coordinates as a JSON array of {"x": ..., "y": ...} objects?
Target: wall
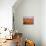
[
  {"x": 6, "y": 13},
  {"x": 28, "y": 8},
  {"x": 43, "y": 22}
]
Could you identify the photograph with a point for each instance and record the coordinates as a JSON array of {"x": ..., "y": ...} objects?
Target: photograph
[{"x": 28, "y": 20}]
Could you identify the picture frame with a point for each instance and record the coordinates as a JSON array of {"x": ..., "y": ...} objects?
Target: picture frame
[{"x": 28, "y": 20}]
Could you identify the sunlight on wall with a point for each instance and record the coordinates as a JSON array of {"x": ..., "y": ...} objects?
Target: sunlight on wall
[{"x": 6, "y": 13}]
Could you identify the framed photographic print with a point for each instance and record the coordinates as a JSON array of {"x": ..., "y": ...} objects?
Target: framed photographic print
[{"x": 28, "y": 20}]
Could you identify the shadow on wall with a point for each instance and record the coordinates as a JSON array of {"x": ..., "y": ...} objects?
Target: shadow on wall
[{"x": 28, "y": 8}]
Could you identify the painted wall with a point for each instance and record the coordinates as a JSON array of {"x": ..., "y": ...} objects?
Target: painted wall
[
  {"x": 6, "y": 13},
  {"x": 43, "y": 22},
  {"x": 28, "y": 8}
]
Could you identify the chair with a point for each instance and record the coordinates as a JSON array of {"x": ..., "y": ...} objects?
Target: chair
[
  {"x": 18, "y": 37},
  {"x": 29, "y": 43}
]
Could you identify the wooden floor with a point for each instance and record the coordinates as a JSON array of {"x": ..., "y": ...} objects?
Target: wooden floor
[{"x": 9, "y": 43}]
